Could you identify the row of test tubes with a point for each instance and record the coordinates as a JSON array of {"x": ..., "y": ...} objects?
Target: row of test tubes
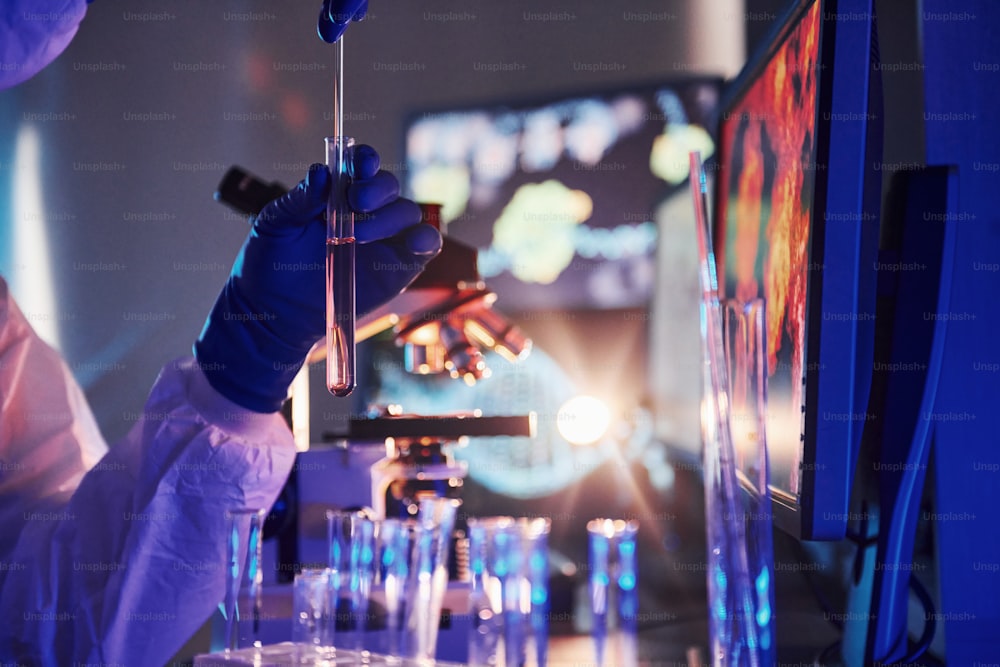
[
  {"x": 385, "y": 582},
  {"x": 383, "y": 589}
]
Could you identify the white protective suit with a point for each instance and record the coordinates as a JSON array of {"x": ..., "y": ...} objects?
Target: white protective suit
[{"x": 117, "y": 560}]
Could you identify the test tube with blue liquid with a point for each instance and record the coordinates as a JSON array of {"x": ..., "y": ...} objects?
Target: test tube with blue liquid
[
  {"x": 340, "y": 249},
  {"x": 351, "y": 564},
  {"x": 614, "y": 593},
  {"x": 509, "y": 599}
]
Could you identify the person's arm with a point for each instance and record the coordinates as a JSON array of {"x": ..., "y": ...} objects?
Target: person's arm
[
  {"x": 131, "y": 567},
  {"x": 121, "y": 564},
  {"x": 48, "y": 436}
]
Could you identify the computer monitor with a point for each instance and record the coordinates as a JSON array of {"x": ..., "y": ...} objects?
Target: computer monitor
[{"x": 797, "y": 204}]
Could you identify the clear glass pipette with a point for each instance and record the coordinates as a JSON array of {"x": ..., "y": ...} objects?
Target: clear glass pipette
[{"x": 340, "y": 248}]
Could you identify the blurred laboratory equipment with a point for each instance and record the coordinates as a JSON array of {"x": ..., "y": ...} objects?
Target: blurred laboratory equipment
[
  {"x": 288, "y": 654},
  {"x": 509, "y": 595},
  {"x": 445, "y": 318},
  {"x": 734, "y": 630},
  {"x": 396, "y": 543},
  {"x": 614, "y": 593},
  {"x": 241, "y": 607},
  {"x": 310, "y": 608},
  {"x": 390, "y": 463},
  {"x": 400, "y": 467},
  {"x": 429, "y": 576},
  {"x": 393, "y": 463},
  {"x": 351, "y": 564},
  {"x": 746, "y": 356},
  {"x": 384, "y": 585}
]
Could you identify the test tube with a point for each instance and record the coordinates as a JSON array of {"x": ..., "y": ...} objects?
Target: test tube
[
  {"x": 613, "y": 586},
  {"x": 244, "y": 579},
  {"x": 351, "y": 544},
  {"x": 340, "y": 247}
]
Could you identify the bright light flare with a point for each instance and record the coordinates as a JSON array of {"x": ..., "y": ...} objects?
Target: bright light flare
[{"x": 583, "y": 420}]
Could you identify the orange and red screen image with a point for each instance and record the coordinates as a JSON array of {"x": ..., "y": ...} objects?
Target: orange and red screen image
[{"x": 766, "y": 182}]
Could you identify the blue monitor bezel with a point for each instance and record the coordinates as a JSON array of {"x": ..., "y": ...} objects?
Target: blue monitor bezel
[{"x": 840, "y": 318}]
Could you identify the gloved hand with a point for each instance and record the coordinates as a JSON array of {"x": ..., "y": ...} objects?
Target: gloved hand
[
  {"x": 272, "y": 309},
  {"x": 336, "y": 14}
]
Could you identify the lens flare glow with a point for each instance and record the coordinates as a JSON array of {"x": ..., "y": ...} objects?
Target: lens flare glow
[{"x": 583, "y": 420}]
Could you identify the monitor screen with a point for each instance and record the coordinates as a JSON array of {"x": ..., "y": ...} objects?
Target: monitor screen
[
  {"x": 797, "y": 212},
  {"x": 766, "y": 193}
]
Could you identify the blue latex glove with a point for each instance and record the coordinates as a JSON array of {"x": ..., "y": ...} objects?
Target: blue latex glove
[
  {"x": 336, "y": 14},
  {"x": 272, "y": 309},
  {"x": 33, "y": 33}
]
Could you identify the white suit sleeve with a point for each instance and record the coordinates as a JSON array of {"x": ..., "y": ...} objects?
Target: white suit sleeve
[
  {"x": 48, "y": 437},
  {"x": 132, "y": 565}
]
